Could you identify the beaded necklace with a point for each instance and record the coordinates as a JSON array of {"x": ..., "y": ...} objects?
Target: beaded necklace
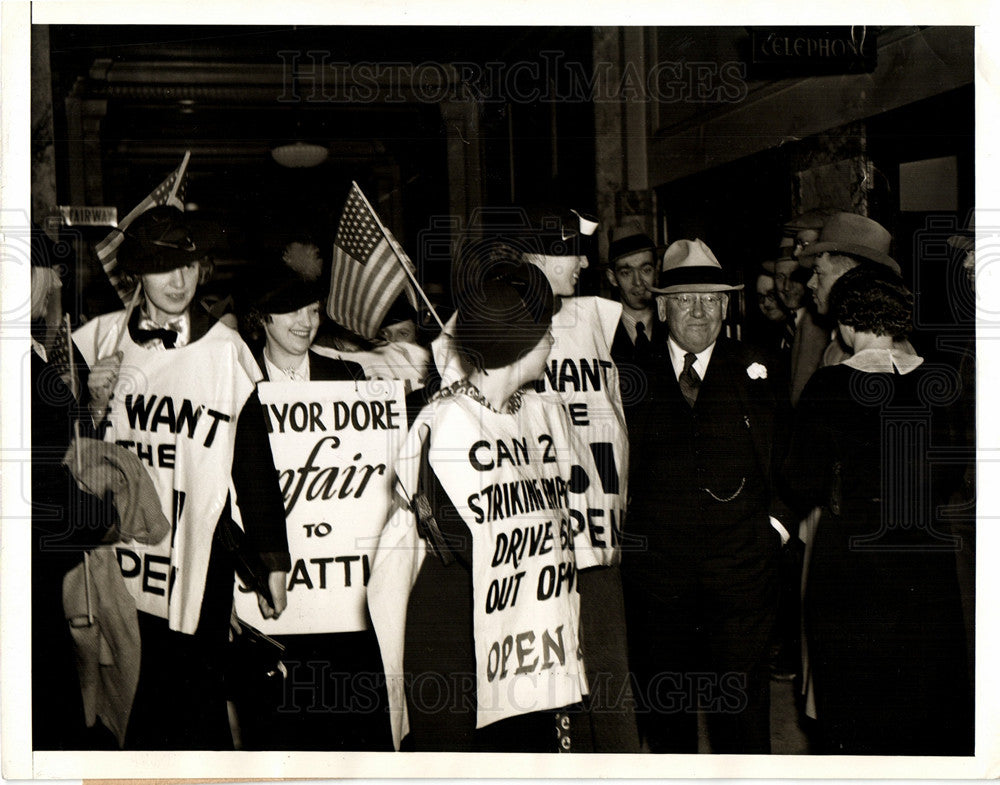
[{"x": 465, "y": 387}]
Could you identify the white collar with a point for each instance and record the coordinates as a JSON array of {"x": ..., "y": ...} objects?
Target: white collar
[
  {"x": 677, "y": 358},
  {"x": 276, "y": 374},
  {"x": 181, "y": 324},
  {"x": 39, "y": 350},
  {"x": 630, "y": 321},
  {"x": 883, "y": 361}
]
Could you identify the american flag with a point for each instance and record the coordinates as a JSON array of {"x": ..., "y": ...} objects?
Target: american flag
[
  {"x": 367, "y": 274},
  {"x": 169, "y": 192}
]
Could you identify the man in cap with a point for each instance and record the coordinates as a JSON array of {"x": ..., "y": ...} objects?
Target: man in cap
[
  {"x": 632, "y": 259},
  {"x": 701, "y": 594},
  {"x": 177, "y": 387},
  {"x": 845, "y": 242}
]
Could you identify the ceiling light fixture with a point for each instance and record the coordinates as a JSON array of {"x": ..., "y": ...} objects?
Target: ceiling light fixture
[{"x": 300, "y": 155}]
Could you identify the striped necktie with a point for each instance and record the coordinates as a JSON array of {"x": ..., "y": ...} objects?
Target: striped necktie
[{"x": 689, "y": 379}]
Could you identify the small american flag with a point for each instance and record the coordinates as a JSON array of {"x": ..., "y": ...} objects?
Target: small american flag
[
  {"x": 367, "y": 274},
  {"x": 169, "y": 192}
]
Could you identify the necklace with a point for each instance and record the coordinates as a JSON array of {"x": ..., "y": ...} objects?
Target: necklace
[{"x": 465, "y": 387}]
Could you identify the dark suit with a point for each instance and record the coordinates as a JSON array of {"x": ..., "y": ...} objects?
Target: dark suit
[
  {"x": 701, "y": 590},
  {"x": 811, "y": 339},
  {"x": 633, "y": 370}
]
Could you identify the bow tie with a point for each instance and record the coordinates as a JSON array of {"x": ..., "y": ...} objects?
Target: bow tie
[
  {"x": 148, "y": 330},
  {"x": 169, "y": 337}
]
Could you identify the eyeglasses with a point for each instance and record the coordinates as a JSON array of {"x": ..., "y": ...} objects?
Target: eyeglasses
[{"x": 710, "y": 302}]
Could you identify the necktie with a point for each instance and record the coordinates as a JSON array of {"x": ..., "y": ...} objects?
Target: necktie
[
  {"x": 641, "y": 342},
  {"x": 689, "y": 379},
  {"x": 788, "y": 334}
]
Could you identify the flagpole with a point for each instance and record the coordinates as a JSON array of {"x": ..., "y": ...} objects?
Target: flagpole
[
  {"x": 180, "y": 176},
  {"x": 73, "y": 382},
  {"x": 128, "y": 313},
  {"x": 396, "y": 250}
]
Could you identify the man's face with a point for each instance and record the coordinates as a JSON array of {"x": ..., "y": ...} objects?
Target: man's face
[
  {"x": 827, "y": 269},
  {"x": 790, "y": 291},
  {"x": 563, "y": 272},
  {"x": 169, "y": 294},
  {"x": 767, "y": 299},
  {"x": 400, "y": 332},
  {"x": 633, "y": 275},
  {"x": 695, "y": 319}
]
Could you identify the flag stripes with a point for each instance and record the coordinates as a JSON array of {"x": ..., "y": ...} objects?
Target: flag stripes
[
  {"x": 367, "y": 274},
  {"x": 170, "y": 192}
]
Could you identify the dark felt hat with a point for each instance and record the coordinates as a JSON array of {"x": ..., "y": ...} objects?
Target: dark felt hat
[
  {"x": 501, "y": 319},
  {"x": 290, "y": 283},
  {"x": 628, "y": 244},
  {"x": 399, "y": 311},
  {"x": 160, "y": 240},
  {"x": 786, "y": 253},
  {"x": 854, "y": 235}
]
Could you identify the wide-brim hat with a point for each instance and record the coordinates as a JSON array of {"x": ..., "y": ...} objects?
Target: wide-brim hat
[
  {"x": 501, "y": 319},
  {"x": 285, "y": 285},
  {"x": 540, "y": 229},
  {"x": 690, "y": 266},
  {"x": 855, "y": 235},
  {"x": 629, "y": 242},
  {"x": 160, "y": 240},
  {"x": 786, "y": 253}
]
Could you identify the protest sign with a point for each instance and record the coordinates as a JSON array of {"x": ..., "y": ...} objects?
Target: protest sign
[
  {"x": 333, "y": 445},
  {"x": 508, "y": 479}
]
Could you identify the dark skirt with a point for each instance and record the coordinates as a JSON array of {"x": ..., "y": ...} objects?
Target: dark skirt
[
  {"x": 440, "y": 674},
  {"x": 886, "y": 642}
]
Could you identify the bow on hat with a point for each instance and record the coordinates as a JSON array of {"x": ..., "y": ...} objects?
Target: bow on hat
[{"x": 690, "y": 266}]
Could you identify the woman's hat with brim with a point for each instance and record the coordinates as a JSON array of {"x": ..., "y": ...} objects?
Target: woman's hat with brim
[
  {"x": 548, "y": 230},
  {"x": 291, "y": 283},
  {"x": 160, "y": 240},
  {"x": 690, "y": 266},
  {"x": 501, "y": 319},
  {"x": 853, "y": 235}
]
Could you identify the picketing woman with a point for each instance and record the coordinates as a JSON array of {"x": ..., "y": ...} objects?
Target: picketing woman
[
  {"x": 171, "y": 383},
  {"x": 333, "y": 694},
  {"x": 473, "y": 591}
]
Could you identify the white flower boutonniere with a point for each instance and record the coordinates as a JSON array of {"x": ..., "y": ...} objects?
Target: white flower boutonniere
[{"x": 757, "y": 371}]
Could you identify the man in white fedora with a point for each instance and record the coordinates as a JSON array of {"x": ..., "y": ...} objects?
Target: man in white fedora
[{"x": 701, "y": 594}]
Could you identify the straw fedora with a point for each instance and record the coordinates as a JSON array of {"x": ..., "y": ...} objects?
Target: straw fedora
[{"x": 690, "y": 266}]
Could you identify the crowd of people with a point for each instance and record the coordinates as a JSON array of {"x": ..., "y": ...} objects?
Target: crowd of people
[{"x": 588, "y": 521}]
